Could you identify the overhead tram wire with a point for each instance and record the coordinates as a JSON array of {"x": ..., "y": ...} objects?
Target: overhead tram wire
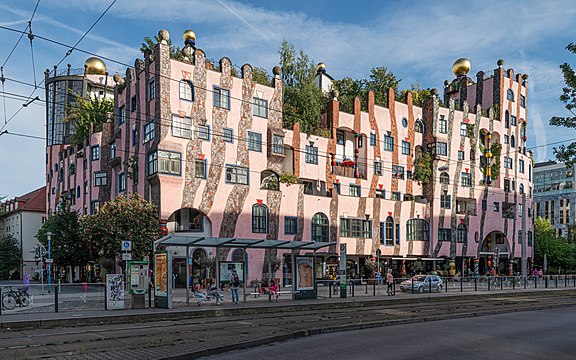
[
  {"x": 63, "y": 58},
  {"x": 2, "y": 78},
  {"x": 167, "y": 122},
  {"x": 178, "y": 80},
  {"x": 384, "y": 169}
]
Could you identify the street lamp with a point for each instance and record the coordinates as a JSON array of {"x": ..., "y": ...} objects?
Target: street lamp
[
  {"x": 49, "y": 262},
  {"x": 378, "y": 271}
]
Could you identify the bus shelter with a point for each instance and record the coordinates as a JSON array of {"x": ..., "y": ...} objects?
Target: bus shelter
[{"x": 189, "y": 241}]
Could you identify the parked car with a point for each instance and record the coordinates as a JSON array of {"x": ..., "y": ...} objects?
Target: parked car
[{"x": 421, "y": 283}]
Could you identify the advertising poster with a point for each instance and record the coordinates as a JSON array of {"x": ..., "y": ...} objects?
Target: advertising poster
[
  {"x": 161, "y": 275},
  {"x": 226, "y": 268},
  {"x": 114, "y": 291},
  {"x": 304, "y": 274}
]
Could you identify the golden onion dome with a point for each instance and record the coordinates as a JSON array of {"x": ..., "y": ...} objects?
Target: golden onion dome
[
  {"x": 461, "y": 67},
  {"x": 189, "y": 35},
  {"x": 95, "y": 66}
]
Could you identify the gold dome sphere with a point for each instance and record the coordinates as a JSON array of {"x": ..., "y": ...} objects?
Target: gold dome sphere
[
  {"x": 321, "y": 66},
  {"x": 461, "y": 67},
  {"x": 95, "y": 66},
  {"x": 189, "y": 35}
]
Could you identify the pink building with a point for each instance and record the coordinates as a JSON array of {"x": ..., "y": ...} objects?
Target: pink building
[{"x": 207, "y": 146}]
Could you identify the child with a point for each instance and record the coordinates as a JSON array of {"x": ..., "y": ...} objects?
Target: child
[{"x": 274, "y": 288}]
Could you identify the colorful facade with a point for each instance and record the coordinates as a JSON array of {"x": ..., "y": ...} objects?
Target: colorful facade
[{"x": 207, "y": 146}]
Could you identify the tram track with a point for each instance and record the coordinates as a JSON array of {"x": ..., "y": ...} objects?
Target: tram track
[{"x": 210, "y": 333}]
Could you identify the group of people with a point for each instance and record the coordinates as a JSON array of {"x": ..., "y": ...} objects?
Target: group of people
[{"x": 215, "y": 292}]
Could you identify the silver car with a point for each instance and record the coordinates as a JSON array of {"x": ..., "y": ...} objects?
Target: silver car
[{"x": 421, "y": 283}]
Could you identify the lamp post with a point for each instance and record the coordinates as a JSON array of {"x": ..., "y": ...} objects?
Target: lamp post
[
  {"x": 49, "y": 262},
  {"x": 378, "y": 271}
]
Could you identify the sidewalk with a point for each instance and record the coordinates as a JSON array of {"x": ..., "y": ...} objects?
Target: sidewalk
[{"x": 209, "y": 309}]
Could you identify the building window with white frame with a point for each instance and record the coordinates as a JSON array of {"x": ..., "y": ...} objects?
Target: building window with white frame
[
  {"x": 203, "y": 132},
  {"x": 186, "y": 90},
  {"x": 221, "y": 98},
  {"x": 228, "y": 135},
  {"x": 169, "y": 162},
  {"x": 236, "y": 175},
  {"x": 405, "y": 147},
  {"x": 277, "y": 144},
  {"x": 311, "y": 156},
  {"x": 445, "y": 201},
  {"x": 181, "y": 126},
  {"x": 466, "y": 179},
  {"x": 100, "y": 178},
  {"x": 442, "y": 125},
  {"x": 388, "y": 143},
  {"x": 260, "y": 107},
  {"x": 378, "y": 168},
  {"x": 121, "y": 182},
  {"x": 151, "y": 93},
  {"x": 200, "y": 168},
  {"x": 148, "y": 132},
  {"x": 254, "y": 141}
]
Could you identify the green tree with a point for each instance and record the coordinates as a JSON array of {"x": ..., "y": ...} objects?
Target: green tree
[
  {"x": 9, "y": 257},
  {"x": 124, "y": 218},
  {"x": 423, "y": 168},
  {"x": 88, "y": 113},
  {"x": 150, "y": 44},
  {"x": 67, "y": 246},
  {"x": 559, "y": 253},
  {"x": 567, "y": 153},
  {"x": 261, "y": 76},
  {"x": 419, "y": 96},
  {"x": 379, "y": 81},
  {"x": 303, "y": 100}
]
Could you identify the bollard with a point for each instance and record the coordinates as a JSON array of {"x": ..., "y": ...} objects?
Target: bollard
[
  {"x": 461, "y": 284},
  {"x": 525, "y": 280},
  {"x": 56, "y": 291},
  {"x": 430, "y": 285},
  {"x": 393, "y": 288},
  {"x": 513, "y": 283},
  {"x": 353, "y": 288},
  {"x": 330, "y": 289},
  {"x": 556, "y": 280},
  {"x": 475, "y": 284},
  {"x": 501, "y": 283},
  {"x": 412, "y": 286},
  {"x": 546, "y": 282},
  {"x": 489, "y": 281},
  {"x": 446, "y": 286},
  {"x": 149, "y": 295},
  {"x": 536, "y": 283},
  {"x": 366, "y": 288},
  {"x": 565, "y": 281},
  {"x": 374, "y": 289},
  {"x": 1, "y": 306}
]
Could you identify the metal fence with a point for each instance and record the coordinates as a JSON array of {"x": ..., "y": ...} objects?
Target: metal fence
[{"x": 35, "y": 298}]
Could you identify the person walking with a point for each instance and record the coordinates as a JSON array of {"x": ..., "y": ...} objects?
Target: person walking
[
  {"x": 389, "y": 283},
  {"x": 234, "y": 285}
]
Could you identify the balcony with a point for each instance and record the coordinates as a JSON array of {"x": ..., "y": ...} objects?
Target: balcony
[{"x": 348, "y": 171}]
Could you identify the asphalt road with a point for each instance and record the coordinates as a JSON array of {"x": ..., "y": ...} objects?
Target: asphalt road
[{"x": 543, "y": 334}]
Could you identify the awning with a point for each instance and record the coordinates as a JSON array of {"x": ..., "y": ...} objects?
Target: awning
[{"x": 179, "y": 239}]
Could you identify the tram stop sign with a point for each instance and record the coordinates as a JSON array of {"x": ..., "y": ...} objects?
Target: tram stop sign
[{"x": 126, "y": 245}]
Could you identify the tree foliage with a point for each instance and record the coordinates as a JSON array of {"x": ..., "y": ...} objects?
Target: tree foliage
[
  {"x": 559, "y": 253},
  {"x": 67, "y": 245},
  {"x": 9, "y": 257},
  {"x": 86, "y": 113},
  {"x": 379, "y": 81},
  {"x": 303, "y": 100},
  {"x": 261, "y": 76},
  {"x": 567, "y": 153},
  {"x": 419, "y": 96},
  {"x": 423, "y": 168},
  {"x": 150, "y": 44},
  {"x": 124, "y": 218}
]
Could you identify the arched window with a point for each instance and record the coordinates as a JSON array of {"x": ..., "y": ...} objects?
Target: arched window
[
  {"x": 444, "y": 178},
  {"x": 417, "y": 230},
  {"x": 189, "y": 220},
  {"x": 389, "y": 233},
  {"x": 512, "y": 141},
  {"x": 78, "y": 191},
  {"x": 521, "y": 188},
  {"x": 419, "y": 126},
  {"x": 462, "y": 234},
  {"x": 320, "y": 226},
  {"x": 238, "y": 255},
  {"x": 510, "y": 95},
  {"x": 186, "y": 90},
  {"x": 259, "y": 218},
  {"x": 507, "y": 119}
]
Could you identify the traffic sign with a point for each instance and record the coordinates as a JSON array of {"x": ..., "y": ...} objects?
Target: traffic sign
[
  {"x": 127, "y": 256},
  {"x": 126, "y": 245}
]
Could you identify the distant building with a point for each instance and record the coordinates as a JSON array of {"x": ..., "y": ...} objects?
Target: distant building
[
  {"x": 555, "y": 194},
  {"x": 22, "y": 217},
  {"x": 207, "y": 145}
]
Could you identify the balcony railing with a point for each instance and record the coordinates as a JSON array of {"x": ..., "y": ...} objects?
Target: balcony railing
[{"x": 348, "y": 171}]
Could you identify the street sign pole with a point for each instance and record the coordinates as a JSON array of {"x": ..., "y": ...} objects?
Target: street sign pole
[{"x": 49, "y": 235}]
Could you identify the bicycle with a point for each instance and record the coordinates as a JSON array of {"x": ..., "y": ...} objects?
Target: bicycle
[{"x": 13, "y": 298}]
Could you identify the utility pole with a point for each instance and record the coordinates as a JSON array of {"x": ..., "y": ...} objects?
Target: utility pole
[{"x": 523, "y": 236}]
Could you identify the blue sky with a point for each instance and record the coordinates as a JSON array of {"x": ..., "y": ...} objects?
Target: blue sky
[{"x": 417, "y": 40}]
